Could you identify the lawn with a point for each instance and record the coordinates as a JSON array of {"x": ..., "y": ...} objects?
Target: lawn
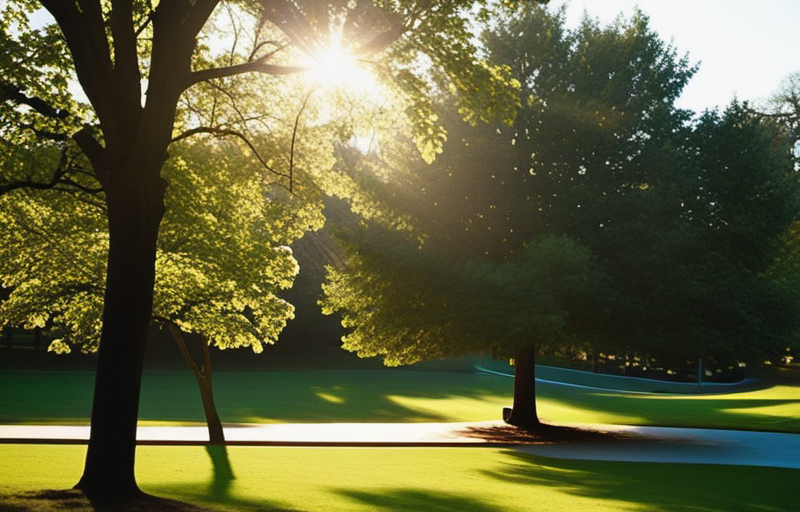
[
  {"x": 390, "y": 396},
  {"x": 415, "y": 479},
  {"x": 410, "y": 479}
]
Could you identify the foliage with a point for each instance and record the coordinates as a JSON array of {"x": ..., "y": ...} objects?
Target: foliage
[
  {"x": 222, "y": 259},
  {"x": 683, "y": 217},
  {"x": 409, "y": 303},
  {"x": 615, "y": 165}
]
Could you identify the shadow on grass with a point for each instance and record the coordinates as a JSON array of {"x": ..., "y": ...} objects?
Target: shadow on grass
[
  {"x": 75, "y": 501},
  {"x": 282, "y": 396},
  {"x": 201, "y": 494},
  {"x": 418, "y": 500},
  {"x": 346, "y": 395},
  {"x": 704, "y": 411},
  {"x": 659, "y": 487},
  {"x": 222, "y": 476}
]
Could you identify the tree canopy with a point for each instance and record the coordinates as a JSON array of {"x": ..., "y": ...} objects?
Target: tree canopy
[{"x": 670, "y": 220}]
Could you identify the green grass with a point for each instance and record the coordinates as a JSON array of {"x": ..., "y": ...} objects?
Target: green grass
[
  {"x": 389, "y": 396},
  {"x": 469, "y": 480}
]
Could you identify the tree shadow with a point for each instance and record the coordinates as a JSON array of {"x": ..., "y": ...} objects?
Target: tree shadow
[
  {"x": 347, "y": 395},
  {"x": 728, "y": 411},
  {"x": 75, "y": 500},
  {"x": 417, "y": 500},
  {"x": 658, "y": 487},
  {"x": 222, "y": 476}
]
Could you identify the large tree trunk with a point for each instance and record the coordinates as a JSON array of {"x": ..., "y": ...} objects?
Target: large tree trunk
[
  {"x": 203, "y": 374},
  {"x": 126, "y": 157},
  {"x": 134, "y": 211},
  {"x": 523, "y": 413}
]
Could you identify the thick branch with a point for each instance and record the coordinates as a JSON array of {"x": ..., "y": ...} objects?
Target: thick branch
[
  {"x": 15, "y": 94},
  {"x": 93, "y": 151},
  {"x": 198, "y": 15},
  {"x": 126, "y": 60},
  {"x": 238, "y": 69},
  {"x": 84, "y": 32}
]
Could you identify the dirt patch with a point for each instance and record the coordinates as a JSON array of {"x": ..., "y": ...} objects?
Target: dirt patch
[{"x": 542, "y": 434}]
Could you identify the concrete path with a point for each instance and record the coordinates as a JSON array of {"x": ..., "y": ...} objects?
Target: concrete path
[
  {"x": 681, "y": 445},
  {"x": 311, "y": 434},
  {"x": 639, "y": 444}
]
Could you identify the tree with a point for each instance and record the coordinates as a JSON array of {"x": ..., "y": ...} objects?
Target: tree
[
  {"x": 118, "y": 47},
  {"x": 739, "y": 201},
  {"x": 222, "y": 259},
  {"x": 571, "y": 156},
  {"x": 598, "y": 155},
  {"x": 409, "y": 303}
]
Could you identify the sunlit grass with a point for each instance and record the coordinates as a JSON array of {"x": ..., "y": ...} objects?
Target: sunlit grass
[
  {"x": 388, "y": 396},
  {"x": 776, "y": 408},
  {"x": 476, "y": 480}
]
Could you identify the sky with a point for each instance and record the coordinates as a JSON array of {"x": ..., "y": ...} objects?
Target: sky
[{"x": 745, "y": 47}]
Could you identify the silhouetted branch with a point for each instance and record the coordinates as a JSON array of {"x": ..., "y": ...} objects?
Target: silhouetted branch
[
  {"x": 15, "y": 94},
  {"x": 60, "y": 179},
  {"x": 233, "y": 133},
  {"x": 238, "y": 69},
  {"x": 294, "y": 136}
]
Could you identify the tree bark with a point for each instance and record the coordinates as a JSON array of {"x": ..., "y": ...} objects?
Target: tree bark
[
  {"x": 134, "y": 212},
  {"x": 523, "y": 413},
  {"x": 203, "y": 374}
]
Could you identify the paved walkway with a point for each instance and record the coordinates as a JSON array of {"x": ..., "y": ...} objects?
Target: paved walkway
[
  {"x": 682, "y": 445},
  {"x": 640, "y": 444},
  {"x": 310, "y": 434}
]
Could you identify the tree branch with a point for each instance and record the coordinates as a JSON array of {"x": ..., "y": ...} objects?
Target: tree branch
[
  {"x": 59, "y": 178},
  {"x": 238, "y": 69},
  {"x": 83, "y": 27},
  {"x": 234, "y": 133},
  {"x": 13, "y": 93},
  {"x": 126, "y": 59},
  {"x": 94, "y": 151},
  {"x": 294, "y": 137}
]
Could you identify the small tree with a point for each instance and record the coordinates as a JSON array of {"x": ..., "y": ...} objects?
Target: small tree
[{"x": 221, "y": 264}]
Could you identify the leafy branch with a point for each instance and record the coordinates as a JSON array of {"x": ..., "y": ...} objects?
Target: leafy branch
[{"x": 224, "y": 132}]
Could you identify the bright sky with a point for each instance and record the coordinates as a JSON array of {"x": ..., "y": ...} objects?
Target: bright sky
[{"x": 745, "y": 47}]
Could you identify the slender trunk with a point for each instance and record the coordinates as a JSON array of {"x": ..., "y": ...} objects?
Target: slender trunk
[
  {"x": 203, "y": 375},
  {"x": 699, "y": 370},
  {"x": 134, "y": 214},
  {"x": 523, "y": 413}
]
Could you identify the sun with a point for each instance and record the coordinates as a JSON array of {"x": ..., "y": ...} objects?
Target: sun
[{"x": 336, "y": 67}]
